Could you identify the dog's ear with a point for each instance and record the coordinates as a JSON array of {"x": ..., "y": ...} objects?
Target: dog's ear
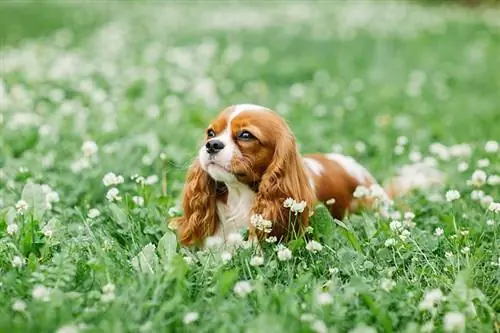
[
  {"x": 284, "y": 178},
  {"x": 199, "y": 203}
]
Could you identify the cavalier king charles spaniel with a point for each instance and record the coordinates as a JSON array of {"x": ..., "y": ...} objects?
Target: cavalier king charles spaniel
[{"x": 247, "y": 170}]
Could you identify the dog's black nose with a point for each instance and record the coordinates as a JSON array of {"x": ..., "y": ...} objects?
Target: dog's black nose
[{"x": 214, "y": 146}]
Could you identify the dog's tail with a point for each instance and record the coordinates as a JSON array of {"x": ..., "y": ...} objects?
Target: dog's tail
[{"x": 417, "y": 176}]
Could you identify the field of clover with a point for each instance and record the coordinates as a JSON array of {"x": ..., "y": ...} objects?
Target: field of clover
[{"x": 101, "y": 118}]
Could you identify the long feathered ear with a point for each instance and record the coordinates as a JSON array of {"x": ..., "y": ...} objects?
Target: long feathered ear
[
  {"x": 199, "y": 203},
  {"x": 284, "y": 178}
]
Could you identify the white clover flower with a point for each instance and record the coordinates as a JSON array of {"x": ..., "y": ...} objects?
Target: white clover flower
[
  {"x": 242, "y": 288},
  {"x": 387, "y": 284},
  {"x": 271, "y": 239},
  {"x": 486, "y": 200},
  {"x": 139, "y": 201},
  {"x": 41, "y": 293},
  {"x": 333, "y": 270},
  {"x": 361, "y": 192},
  {"x": 452, "y": 195},
  {"x": 111, "y": 178},
  {"x": 19, "y": 305},
  {"x": 151, "y": 180},
  {"x": 17, "y": 262},
  {"x": 51, "y": 197},
  {"x": 108, "y": 288},
  {"x": 490, "y": 222},
  {"x": 439, "y": 232},
  {"x": 48, "y": 230},
  {"x": 408, "y": 216},
  {"x": 390, "y": 242},
  {"x": 93, "y": 213},
  {"x": 318, "y": 326},
  {"x": 465, "y": 250},
  {"x": 12, "y": 229},
  {"x": 478, "y": 178},
  {"x": 108, "y": 293},
  {"x": 256, "y": 261},
  {"x": 494, "y": 207},
  {"x": 112, "y": 194},
  {"x": 284, "y": 253},
  {"x": 324, "y": 298},
  {"x": 395, "y": 225},
  {"x": 461, "y": 150},
  {"x": 476, "y": 195},
  {"x": 405, "y": 234},
  {"x": 462, "y": 166},
  {"x": 415, "y": 156},
  {"x": 491, "y": 147},
  {"x": 68, "y": 329},
  {"x": 448, "y": 255},
  {"x": 226, "y": 257},
  {"x": 483, "y": 163},
  {"x": 89, "y": 148},
  {"x": 313, "y": 246},
  {"x": 360, "y": 147},
  {"x": 402, "y": 140},
  {"x": 288, "y": 203},
  {"x": 399, "y": 150},
  {"x": 260, "y": 223},
  {"x": 190, "y": 317},
  {"x": 235, "y": 239},
  {"x": 22, "y": 206},
  {"x": 213, "y": 242},
  {"x": 454, "y": 321},
  {"x": 493, "y": 180},
  {"x": 298, "y": 207},
  {"x": 431, "y": 299}
]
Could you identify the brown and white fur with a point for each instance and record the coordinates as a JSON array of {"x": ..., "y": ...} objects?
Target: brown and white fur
[{"x": 249, "y": 164}]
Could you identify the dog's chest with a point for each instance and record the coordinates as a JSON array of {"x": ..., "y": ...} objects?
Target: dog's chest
[{"x": 234, "y": 215}]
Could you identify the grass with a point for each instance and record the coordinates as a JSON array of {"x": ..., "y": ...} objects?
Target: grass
[{"x": 145, "y": 82}]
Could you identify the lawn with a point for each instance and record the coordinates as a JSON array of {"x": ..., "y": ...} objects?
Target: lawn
[{"x": 128, "y": 89}]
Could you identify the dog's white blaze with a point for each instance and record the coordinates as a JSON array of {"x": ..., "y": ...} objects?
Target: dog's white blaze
[
  {"x": 314, "y": 166},
  {"x": 352, "y": 167}
]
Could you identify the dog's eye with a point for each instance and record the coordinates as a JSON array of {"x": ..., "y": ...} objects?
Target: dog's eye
[
  {"x": 245, "y": 135},
  {"x": 211, "y": 133}
]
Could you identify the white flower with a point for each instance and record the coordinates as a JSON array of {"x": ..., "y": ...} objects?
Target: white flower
[
  {"x": 494, "y": 180},
  {"x": 465, "y": 250},
  {"x": 284, "y": 253},
  {"x": 462, "y": 167},
  {"x": 139, "y": 201},
  {"x": 491, "y": 147},
  {"x": 309, "y": 230},
  {"x": 298, "y": 207},
  {"x": 226, "y": 257},
  {"x": 48, "y": 230},
  {"x": 173, "y": 211},
  {"x": 68, "y": 329},
  {"x": 390, "y": 242},
  {"x": 405, "y": 234},
  {"x": 361, "y": 192},
  {"x": 439, "y": 232},
  {"x": 319, "y": 326},
  {"x": 427, "y": 327},
  {"x": 190, "y": 317},
  {"x": 111, "y": 178},
  {"x": 399, "y": 150},
  {"x": 89, "y": 148},
  {"x": 189, "y": 260},
  {"x": 483, "y": 163},
  {"x": 256, "y": 261},
  {"x": 494, "y": 207},
  {"x": 112, "y": 194},
  {"x": 17, "y": 262},
  {"x": 448, "y": 255},
  {"x": 452, "y": 195},
  {"x": 402, "y": 140},
  {"x": 108, "y": 293},
  {"x": 235, "y": 239},
  {"x": 41, "y": 293},
  {"x": 108, "y": 288},
  {"x": 415, "y": 156},
  {"x": 22, "y": 206},
  {"x": 486, "y": 200},
  {"x": 478, "y": 178},
  {"x": 213, "y": 242},
  {"x": 330, "y": 201},
  {"x": 454, "y": 321},
  {"x": 93, "y": 213},
  {"x": 476, "y": 195},
  {"x": 490, "y": 222},
  {"x": 151, "y": 180},
  {"x": 313, "y": 246},
  {"x": 12, "y": 229},
  {"x": 395, "y": 225},
  {"x": 324, "y": 298},
  {"x": 242, "y": 288},
  {"x": 260, "y": 223},
  {"x": 271, "y": 239},
  {"x": 408, "y": 216},
  {"x": 288, "y": 203},
  {"x": 19, "y": 305},
  {"x": 387, "y": 284},
  {"x": 431, "y": 299},
  {"x": 333, "y": 270}
]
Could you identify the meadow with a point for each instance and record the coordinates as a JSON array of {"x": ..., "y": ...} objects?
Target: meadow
[{"x": 103, "y": 108}]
